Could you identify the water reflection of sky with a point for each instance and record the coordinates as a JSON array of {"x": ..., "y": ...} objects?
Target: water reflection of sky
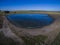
[
  {"x": 50, "y": 5},
  {"x": 30, "y": 20}
]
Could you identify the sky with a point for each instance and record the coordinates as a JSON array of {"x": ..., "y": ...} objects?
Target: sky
[{"x": 48, "y": 5}]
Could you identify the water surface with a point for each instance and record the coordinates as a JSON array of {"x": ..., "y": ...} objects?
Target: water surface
[{"x": 30, "y": 20}]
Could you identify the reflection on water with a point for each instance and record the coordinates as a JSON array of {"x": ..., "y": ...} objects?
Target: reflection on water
[{"x": 30, "y": 20}]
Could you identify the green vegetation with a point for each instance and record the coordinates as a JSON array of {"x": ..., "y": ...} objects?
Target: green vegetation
[
  {"x": 7, "y": 41},
  {"x": 30, "y": 12},
  {"x": 39, "y": 40},
  {"x": 34, "y": 12},
  {"x": 57, "y": 40},
  {"x": 1, "y": 22}
]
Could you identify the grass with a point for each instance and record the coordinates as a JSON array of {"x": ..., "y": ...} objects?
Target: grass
[
  {"x": 7, "y": 41},
  {"x": 30, "y": 12},
  {"x": 57, "y": 40},
  {"x": 1, "y": 23},
  {"x": 34, "y": 12},
  {"x": 34, "y": 40}
]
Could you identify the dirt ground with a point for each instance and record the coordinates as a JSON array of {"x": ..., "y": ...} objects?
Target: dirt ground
[{"x": 51, "y": 31}]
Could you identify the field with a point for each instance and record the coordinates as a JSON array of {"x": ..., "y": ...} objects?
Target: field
[
  {"x": 30, "y": 12},
  {"x": 57, "y": 40},
  {"x": 39, "y": 39}
]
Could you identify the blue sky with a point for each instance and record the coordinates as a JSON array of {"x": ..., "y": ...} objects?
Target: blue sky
[{"x": 49, "y": 5}]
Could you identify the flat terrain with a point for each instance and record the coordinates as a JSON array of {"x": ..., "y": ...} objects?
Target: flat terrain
[
  {"x": 30, "y": 12},
  {"x": 50, "y": 31}
]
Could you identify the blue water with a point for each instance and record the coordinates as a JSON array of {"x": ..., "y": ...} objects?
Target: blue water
[{"x": 30, "y": 20}]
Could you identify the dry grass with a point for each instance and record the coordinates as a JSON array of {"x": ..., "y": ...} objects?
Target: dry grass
[{"x": 31, "y": 12}]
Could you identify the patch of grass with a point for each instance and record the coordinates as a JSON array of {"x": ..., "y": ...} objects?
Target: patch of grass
[
  {"x": 1, "y": 22},
  {"x": 7, "y": 41},
  {"x": 57, "y": 40},
  {"x": 34, "y": 40}
]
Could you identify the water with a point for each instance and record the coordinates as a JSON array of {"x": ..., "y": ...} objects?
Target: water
[{"x": 30, "y": 20}]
